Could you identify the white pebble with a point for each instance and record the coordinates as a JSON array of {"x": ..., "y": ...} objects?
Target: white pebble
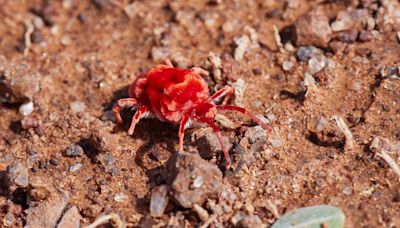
[
  {"x": 159, "y": 200},
  {"x": 197, "y": 182},
  {"x": 242, "y": 43},
  {"x": 287, "y": 65},
  {"x": 26, "y": 108},
  {"x": 77, "y": 106},
  {"x": 75, "y": 167},
  {"x": 120, "y": 197}
]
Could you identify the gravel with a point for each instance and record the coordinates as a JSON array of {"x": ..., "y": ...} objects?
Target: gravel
[
  {"x": 71, "y": 218},
  {"x": 75, "y": 167},
  {"x": 313, "y": 29},
  {"x": 46, "y": 213},
  {"x": 305, "y": 53},
  {"x": 18, "y": 83},
  {"x": 18, "y": 175},
  {"x": 74, "y": 150},
  {"x": 26, "y": 108},
  {"x": 159, "y": 200}
]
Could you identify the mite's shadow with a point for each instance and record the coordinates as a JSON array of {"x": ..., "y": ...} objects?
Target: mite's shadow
[
  {"x": 119, "y": 94},
  {"x": 154, "y": 133}
]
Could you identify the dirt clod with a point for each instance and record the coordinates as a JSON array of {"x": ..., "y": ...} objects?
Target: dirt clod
[{"x": 183, "y": 169}]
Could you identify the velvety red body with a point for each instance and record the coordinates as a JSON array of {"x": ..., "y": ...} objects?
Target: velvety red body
[{"x": 169, "y": 92}]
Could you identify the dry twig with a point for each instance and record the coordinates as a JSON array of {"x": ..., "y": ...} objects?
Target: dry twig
[
  {"x": 347, "y": 133},
  {"x": 105, "y": 218},
  {"x": 377, "y": 146}
]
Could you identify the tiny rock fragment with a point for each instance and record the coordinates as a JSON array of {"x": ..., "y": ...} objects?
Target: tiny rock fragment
[
  {"x": 75, "y": 167},
  {"x": 307, "y": 52},
  {"x": 366, "y": 36},
  {"x": 103, "y": 141},
  {"x": 316, "y": 63},
  {"x": 287, "y": 65},
  {"x": 313, "y": 29},
  {"x": 350, "y": 19},
  {"x": 317, "y": 124},
  {"x": 217, "y": 66},
  {"x": 9, "y": 220},
  {"x": 201, "y": 212},
  {"x": 159, "y": 200},
  {"x": 250, "y": 221},
  {"x": 183, "y": 168},
  {"x": 275, "y": 141},
  {"x": 207, "y": 142},
  {"x": 29, "y": 122},
  {"x": 74, "y": 150},
  {"x": 71, "y": 219},
  {"x": 239, "y": 87},
  {"x": 120, "y": 197},
  {"x": 159, "y": 53},
  {"x": 255, "y": 133},
  {"x": 18, "y": 175},
  {"x": 18, "y": 83},
  {"x": 46, "y": 213},
  {"x": 242, "y": 44},
  {"x": 26, "y": 108},
  {"x": 77, "y": 106}
]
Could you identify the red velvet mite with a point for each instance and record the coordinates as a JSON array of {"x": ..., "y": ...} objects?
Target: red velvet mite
[{"x": 178, "y": 96}]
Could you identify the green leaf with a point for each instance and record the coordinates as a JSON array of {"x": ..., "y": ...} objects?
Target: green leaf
[{"x": 312, "y": 217}]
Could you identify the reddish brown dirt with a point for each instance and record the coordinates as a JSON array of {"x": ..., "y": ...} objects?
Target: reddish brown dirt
[{"x": 91, "y": 54}]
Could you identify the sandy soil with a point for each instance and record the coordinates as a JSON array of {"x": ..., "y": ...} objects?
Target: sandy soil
[{"x": 78, "y": 58}]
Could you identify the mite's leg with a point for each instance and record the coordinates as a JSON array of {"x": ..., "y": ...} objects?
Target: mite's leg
[
  {"x": 247, "y": 113},
  {"x": 218, "y": 133},
  {"x": 226, "y": 91},
  {"x": 121, "y": 104},
  {"x": 135, "y": 119},
  {"x": 200, "y": 71},
  {"x": 181, "y": 133}
]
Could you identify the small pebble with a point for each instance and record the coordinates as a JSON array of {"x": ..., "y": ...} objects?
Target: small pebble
[
  {"x": 316, "y": 64},
  {"x": 77, "y": 106},
  {"x": 305, "y": 53},
  {"x": 8, "y": 219},
  {"x": 255, "y": 133},
  {"x": 75, "y": 167},
  {"x": 201, "y": 212},
  {"x": 18, "y": 174},
  {"x": 66, "y": 40},
  {"x": 120, "y": 197},
  {"x": 287, "y": 65},
  {"x": 159, "y": 200},
  {"x": 26, "y": 108},
  {"x": 275, "y": 141},
  {"x": 197, "y": 182},
  {"x": 29, "y": 122},
  {"x": 347, "y": 191},
  {"x": 54, "y": 162},
  {"x": 242, "y": 43},
  {"x": 366, "y": 36},
  {"x": 74, "y": 150}
]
